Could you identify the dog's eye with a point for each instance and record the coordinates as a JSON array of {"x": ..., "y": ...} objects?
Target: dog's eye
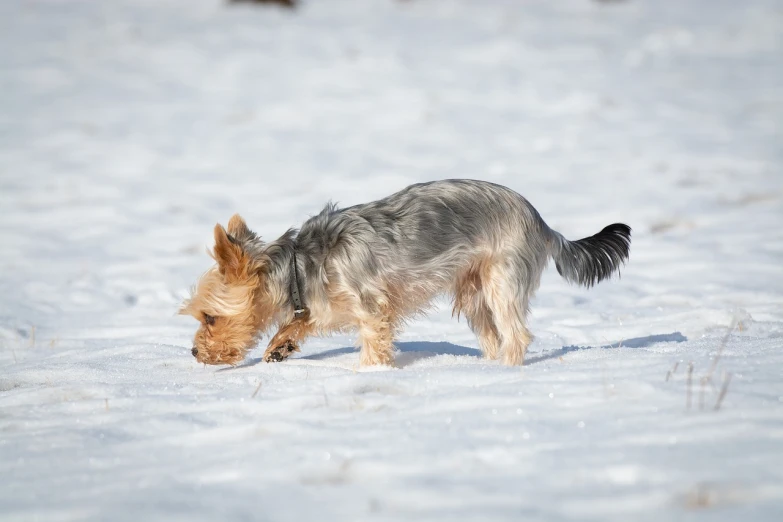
[{"x": 210, "y": 320}]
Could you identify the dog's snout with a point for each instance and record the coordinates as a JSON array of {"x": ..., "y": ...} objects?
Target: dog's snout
[{"x": 194, "y": 351}]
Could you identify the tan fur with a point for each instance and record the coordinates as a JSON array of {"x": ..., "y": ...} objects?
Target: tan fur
[
  {"x": 292, "y": 333},
  {"x": 231, "y": 293},
  {"x": 469, "y": 299},
  {"x": 508, "y": 313}
]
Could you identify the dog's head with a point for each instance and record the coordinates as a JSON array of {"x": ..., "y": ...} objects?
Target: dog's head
[{"x": 230, "y": 300}]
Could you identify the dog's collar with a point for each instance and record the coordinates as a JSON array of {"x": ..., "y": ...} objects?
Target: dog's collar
[{"x": 300, "y": 310}]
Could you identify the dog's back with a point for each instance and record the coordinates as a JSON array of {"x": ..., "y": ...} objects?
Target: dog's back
[
  {"x": 438, "y": 226},
  {"x": 482, "y": 243},
  {"x": 429, "y": 238}
]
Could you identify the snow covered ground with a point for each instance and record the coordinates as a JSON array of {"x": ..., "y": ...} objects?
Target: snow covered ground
[{"x": 129, "y": 128}]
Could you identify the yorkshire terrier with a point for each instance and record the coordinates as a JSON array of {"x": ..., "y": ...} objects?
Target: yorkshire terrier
[{"x": 369, "y": 268}]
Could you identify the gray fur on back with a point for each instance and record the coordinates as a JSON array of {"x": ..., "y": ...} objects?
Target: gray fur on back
[
  {"x": 429, "y": 230},
  {"x": 420, "y": 239}
]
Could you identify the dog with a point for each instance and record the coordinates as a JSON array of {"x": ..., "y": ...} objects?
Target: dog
[{"x": 370, "y": 267}]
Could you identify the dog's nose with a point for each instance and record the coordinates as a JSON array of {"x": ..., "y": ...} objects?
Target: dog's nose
[{"x": 194, "y": 351}]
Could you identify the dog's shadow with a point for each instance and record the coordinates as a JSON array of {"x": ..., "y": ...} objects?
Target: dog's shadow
[
  {"x": 636, "y": 342},
  {"x": 409, "y": 352},
  {"x": 412, "y": 352}
]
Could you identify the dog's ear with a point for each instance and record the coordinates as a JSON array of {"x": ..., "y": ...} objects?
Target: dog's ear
[
  {"x": 237, "y": 228},
  {"x": 228, "y": 252}
]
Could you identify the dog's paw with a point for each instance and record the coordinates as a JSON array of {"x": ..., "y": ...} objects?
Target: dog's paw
[
  {"x": 273, "y": 357},
  {"x": 280, "y": 353}
]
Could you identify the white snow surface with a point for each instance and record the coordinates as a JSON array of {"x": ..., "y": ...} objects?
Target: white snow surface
[{"x": 129, "y": 128}]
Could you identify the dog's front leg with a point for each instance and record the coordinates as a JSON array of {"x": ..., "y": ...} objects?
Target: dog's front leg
[{"x": 286, "y": 340}]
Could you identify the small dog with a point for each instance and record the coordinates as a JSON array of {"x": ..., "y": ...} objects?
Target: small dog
[{"x": 369, "y": 268}]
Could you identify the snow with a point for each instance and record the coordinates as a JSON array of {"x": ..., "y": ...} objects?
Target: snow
[{"x": 129, "y": 128}]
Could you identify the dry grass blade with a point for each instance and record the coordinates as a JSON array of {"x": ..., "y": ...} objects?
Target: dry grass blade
[
  {"x": 688, "y": 386},
  {"x": 723, "y": 390},
  {"x": 257, "y": 388},
  {"x": 722, "y": 346},
  {"x": 671, "y": 372}
]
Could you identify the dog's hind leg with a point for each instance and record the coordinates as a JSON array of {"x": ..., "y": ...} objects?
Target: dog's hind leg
[
  {"x": 469, "y": 300},
  {"x": 509, "y": 306},
  {"x": 483, "y": 325}
]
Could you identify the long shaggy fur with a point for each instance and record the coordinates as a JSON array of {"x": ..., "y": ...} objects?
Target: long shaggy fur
[
  {"x": 591, "y": 260},
  {"x": 369, "y": 267}
]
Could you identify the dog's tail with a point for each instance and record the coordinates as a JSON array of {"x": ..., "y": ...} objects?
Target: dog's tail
[{"x": 591, "y": 260}]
